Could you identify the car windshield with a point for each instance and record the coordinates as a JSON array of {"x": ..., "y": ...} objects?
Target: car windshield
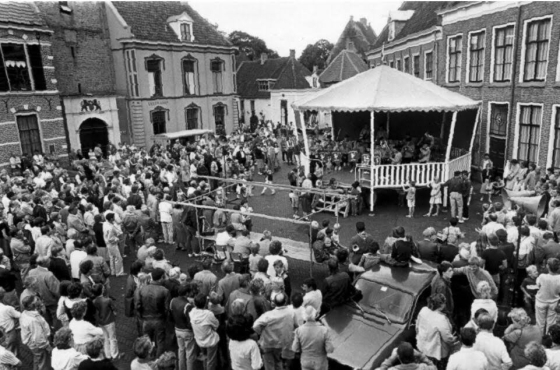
[{"x": 395, "y": 304}]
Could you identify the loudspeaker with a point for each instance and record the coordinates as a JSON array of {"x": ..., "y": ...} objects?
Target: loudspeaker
[
  {"x": 507, "y": 194},
  {"x": 534, "y": 205}
]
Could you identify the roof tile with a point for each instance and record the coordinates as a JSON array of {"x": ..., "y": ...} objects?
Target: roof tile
[
  {"x": 20, "y": 13},
  {"x": 346, "y": 64}
]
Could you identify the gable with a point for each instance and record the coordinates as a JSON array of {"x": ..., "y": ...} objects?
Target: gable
[{"x": 360, "y": 34}]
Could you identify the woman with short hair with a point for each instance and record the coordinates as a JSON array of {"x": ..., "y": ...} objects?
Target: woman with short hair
[
  {"x": 96, "y": 360},
  {"x": 64, "y": 356},
  {"x": 519, "y": 335},
  {"x": 536, "y": 354},
  {"x": 484, "y": 300},
  {"x": 83, "y": 331},
  {"x": 142, "y": 348},
  {"x": 313, "y": 341}
]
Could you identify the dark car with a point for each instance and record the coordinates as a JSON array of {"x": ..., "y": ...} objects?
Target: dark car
[{"x": 365, "y": 333}]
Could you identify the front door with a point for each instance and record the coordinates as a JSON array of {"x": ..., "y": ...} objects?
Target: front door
[
  {"x": 498, "y": 132},
  {"x": 94, "y": 131},
  {"x": 284, "y": 112}
]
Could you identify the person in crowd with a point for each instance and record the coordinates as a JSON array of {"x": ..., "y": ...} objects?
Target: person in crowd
[
  {"x": 493, "y": 347},
  {"x": 519, "y": 334},
  {"x": 442, "y": 284},
  {"x": 96, "y": 360},
  {"x": 405, "y": 357},
  {"x": 35, "y": 332},
  {"x": 64, "y": 355},
  {"x": 338, "y": 288},
  {"x": 536, "y": 354},
  {"x": 484, "y": 300},
  {"x": 467, "y": 358},
  {"x": 205, "y": 326},
  {"x": 9, "y": 322},
  {"x": 244, "y": 351},
  {"x": 47, "y": 287},
  {"x": 548, "y": 295}
]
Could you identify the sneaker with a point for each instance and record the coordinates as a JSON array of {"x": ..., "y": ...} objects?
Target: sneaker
[
  {"x": 465, "y": 218},
  {"x": 461, "y": 221},
  {"x": 409, "y": 216},
  {"x": 190, "y": 255},
  {"x": 427, "y": 215}
]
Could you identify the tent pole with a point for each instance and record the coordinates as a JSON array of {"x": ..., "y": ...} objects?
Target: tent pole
[
  {"x": 372, "y": 162},
  {"x": 442, "y": 129},
  {"x": 451, "y": 134},
  {"x": 474, "y": 134},
  {"x": 388, "y": 121},
  {"x": 306, "y": 163},
  {"x": 295, "y": 127}
]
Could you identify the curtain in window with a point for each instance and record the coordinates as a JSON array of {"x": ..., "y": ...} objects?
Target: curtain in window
[
  {"x": 508, "y": 53},
  {"x": 529, "y": 133},
  {"x": 154, "y": 80},
  {"x": 217, "y": 80},
  {"x": 542, "y": 56},
  {"x": 189, "y": 77},
  {"x": 556, "y": 153},
  {"x": 36, "y": 62}
]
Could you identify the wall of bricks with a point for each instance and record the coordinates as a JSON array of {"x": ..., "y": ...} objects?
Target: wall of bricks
[
  {"x": 81, "y": 47},
  {"x": 543, "y": 93}
]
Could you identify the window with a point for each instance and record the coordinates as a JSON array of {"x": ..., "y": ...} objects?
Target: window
[
  {"x": 132, "y": 72},
  {"x": 154, "y": 77},
  {"x": 399, "y": 65},
  {"x": 536, "y": 50},
  {"x": 406, "y": 65},
  {"x": 429, "y": 65},
  {"x": 529, "y": 132},
  {"x": 64, "y": 8},
  {"x": 392, "y": 64},
  {"x": 315, "y": 81},
  {"x": 189, "y": 76},
  {"x": 503, "y": 54},
  {"x": 263, "y": 85},
  {"x": 185, "y": 31},
  {"x": 158, "y": 122},
  {"x": 476, "y": 56},
  {"x": 216, "y": 66},
  {"x": 556, "y": 150},
  {"x": 16, "y": 67},
  {"x": 29, "y": 134},
  {"x": 191, "y": 114},
  {"x": 498, "y": 119},
  {"x": 252, "y": 107},
  {"x": 454, "y": 52},
  {"x": 219, "y": 117},
  {"x": 416, "y": 65}
]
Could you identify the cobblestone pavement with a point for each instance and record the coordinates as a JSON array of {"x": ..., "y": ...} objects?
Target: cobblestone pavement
[{"x": 388, "y": 216}]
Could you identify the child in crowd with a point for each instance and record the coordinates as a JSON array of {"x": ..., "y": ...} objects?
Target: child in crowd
[
  {"x": 254, "y": 258},
  {"x": 281, "y": 277},
  {"x": 294, "y": 200},
  {"x": 486, "y": 188},
  {"x": 410, "y": 191},
  {"x": 105, "y": 315},
  {"x": 452, "y": 234},
  {"x": 435, "y": 196},
  {"x": 498, "y": 185},
  {"x": 268, "y": 180}
]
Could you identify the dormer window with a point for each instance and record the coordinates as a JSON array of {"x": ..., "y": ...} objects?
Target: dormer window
[
  {"x": 265, "y": 85},
  {"x": 182, "y": 25},
  {"x": 186, "y": 34}
]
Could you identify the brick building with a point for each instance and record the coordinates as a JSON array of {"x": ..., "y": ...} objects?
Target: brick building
[
  {"x": 356, "y": 36},
  {"x": 504, "y": 54},
  {"x": 30, "y": 109},
  {"x": 175, "y": 69},
  {"x": 83, "y": 62}
]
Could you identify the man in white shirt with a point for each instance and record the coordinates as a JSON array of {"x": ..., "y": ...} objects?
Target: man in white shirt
[
  {"x": 76, "y": 257},
  {"x": 9, "y": 320},
  {"x": 313, "y": 296},
  {"x": 468, "y": 358},
  {"x": 493, "y": 225},
  {"x": 44, "y": 243},
  {"x": 553, "y": 354},
  {"x": 165, "y": 209},
  {"x": 493, "y": 348}
]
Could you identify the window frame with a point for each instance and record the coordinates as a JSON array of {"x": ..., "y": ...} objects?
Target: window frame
[
  {"x": 555, "y": 135},
  {"x": 489, "y": 121},
  {"x": 482, "y": 56},
  {"x": 392, "y": 63},
  {"x": 458, "y": 67},
  {"x": 41, "y": 140},
  {"x": 405, "y": 60},
  {"x": 161, "y": 62},
  {"x": 193, "y": 106},
  {"x": 165, "y": 113},
  {"x": 214, "y": 76},
  {"x": 524, "y": 48},
  {"x": 516, "y": 147},
  {"x": 132, "y": 71},
  {"x": 431, "y": 53},
  {"x": 415, "y": 69},
  {"x": 190, "y": 33},
  {"x": 398, "y": 64},
  {"x": 196, "y": 78},
  {"x": 495, "y": 30},
  {"x": 32, "y": 86},
  {"x": 225, "y": 113}
]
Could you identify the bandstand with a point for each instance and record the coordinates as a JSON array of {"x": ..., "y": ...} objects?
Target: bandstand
[{"x": 402, "y": 105}]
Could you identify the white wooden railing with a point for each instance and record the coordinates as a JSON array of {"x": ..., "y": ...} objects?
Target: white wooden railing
[{"x": 394, "y": 176}]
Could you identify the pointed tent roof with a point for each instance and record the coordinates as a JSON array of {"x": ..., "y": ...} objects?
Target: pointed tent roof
[
  {"x": 346, "y": 64},
  {"x": 386, "y": 89}
]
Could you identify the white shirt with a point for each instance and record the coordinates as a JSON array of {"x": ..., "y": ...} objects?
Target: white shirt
[
  {"x": 491, "y": 227},
  {"x": 553, "y": 358},
  {"x": 245, "y": 355},
  {"x": 165, "y": 209},
  {"x": 66, "y": 359},
  {"x": 223, "y": 238},
  {"x": 271, "y": 258},
  {"x": 8, "y": 317},
  {"x": 83, "y": 331},
  {"x": 314, "y": 299},
  {"x": 76, "y": 257},
  {"x": 494, "y": 349},
  {"x": 468, "y": 359}
]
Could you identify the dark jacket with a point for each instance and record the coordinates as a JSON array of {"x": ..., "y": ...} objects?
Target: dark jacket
[
  {"x": 59, "y": 269},
  {"x": 179, "y": 311},
  {"x": 104, "y": 310},
  {"x": 151, "y": 301},
  {"x": 338, "y": 289}
]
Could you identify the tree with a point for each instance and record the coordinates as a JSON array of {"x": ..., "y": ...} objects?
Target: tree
[
  {"x": 316, "y": 54},
  {"x": 251, "y": 45}
]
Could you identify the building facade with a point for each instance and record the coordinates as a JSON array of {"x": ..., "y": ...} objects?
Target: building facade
[
  {"x": 268, "y": 87},
  {"x": 357, "y": 36},
  {"x": 31, "y": 116},
  {"x": 175, "y": 69},
  {"x": 504, "y": 54},
  {"x": 83, "y": 62}
]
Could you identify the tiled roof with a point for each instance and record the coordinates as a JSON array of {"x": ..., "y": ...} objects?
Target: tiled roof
[
  {"x": 346, "y": 64},
  {"x": 287, "y": 71},
  {"x": 20, "y": 13},
  {"x": 148, "y": 21},
  {"x": 363, "y": 37},
  {"x": 424, "y": 17}
]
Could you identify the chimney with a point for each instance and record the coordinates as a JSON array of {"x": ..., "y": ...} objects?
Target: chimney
[
  {"x": 315, "y": 69},
  {"x": 264, "y": 57},
  {"x": 363, "y": 21},
  {"x": 351, "y": 17},
  {"x": 292, "y": 53}
]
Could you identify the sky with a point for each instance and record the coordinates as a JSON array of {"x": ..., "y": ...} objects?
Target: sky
[{"x": 286, "y": 25}]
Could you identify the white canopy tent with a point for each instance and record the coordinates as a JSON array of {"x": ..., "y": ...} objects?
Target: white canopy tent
[{"x": 385, "y": 89}]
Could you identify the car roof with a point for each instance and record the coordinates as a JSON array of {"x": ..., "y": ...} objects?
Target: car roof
[{"x": 412, "y": 279}]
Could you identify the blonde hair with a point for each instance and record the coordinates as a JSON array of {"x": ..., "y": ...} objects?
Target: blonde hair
[
  {"x": 531, "y": 268},
  {"x": 309, "y": 313},
  {"x": 484, "y": 290},
  {"x": 518, "y": 315}
]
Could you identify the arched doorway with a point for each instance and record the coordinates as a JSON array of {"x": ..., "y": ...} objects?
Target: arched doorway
[{"x": 94, "y": 131}]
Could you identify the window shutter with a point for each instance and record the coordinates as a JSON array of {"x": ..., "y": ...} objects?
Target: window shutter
[
  {"x": 4, "y": 85},
  {"x": 36, "y": 62}
]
